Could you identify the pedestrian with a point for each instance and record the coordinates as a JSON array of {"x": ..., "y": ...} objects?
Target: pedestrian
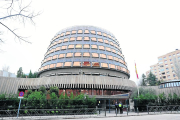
[
  {"x": 121, "y": 107},
  {"x": 116, "y": 107}
]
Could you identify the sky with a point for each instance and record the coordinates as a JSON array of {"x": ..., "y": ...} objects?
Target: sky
[{"x": 145, "y": 29}]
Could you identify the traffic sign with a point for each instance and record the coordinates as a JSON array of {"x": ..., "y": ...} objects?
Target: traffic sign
[{"x": 21, "y": 94}]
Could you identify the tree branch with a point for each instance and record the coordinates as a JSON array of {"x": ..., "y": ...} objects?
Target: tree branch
[{"x": 19, "y": 37}]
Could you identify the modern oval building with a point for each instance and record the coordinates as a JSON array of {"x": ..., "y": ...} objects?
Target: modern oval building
[
  {"x": 90, "y": 56},
  {"x": 80, "y": 59}
]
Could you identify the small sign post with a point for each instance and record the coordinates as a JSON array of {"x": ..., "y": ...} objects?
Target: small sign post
[{"x": 21, "y": 94}]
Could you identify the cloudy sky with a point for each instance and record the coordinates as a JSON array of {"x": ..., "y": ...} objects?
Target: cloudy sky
[{"x": 145, "y": 29}]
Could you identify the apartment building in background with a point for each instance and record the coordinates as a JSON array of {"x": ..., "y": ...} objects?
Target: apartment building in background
[{"x": 164, "y": 68}]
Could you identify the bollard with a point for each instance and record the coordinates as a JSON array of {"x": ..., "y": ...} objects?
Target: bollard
[
  {"x": 105, "y": 111},
  {"x": 147, "y": 110},
  {"x": 137, "y": 110},
  {"x": 127, "y": 111},
  {"x": 116, "y": 111}
]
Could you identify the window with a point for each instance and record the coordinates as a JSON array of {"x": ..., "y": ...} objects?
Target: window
[
  {"x": 77, "y": 64},
  {"x": 104, "y": 65},
  {"x": 108, "y": 49},
  {"x": 169, "y": 56},
  {"x": 73, "y": 32},
  {"x": 63, "y": 47},
  {"x": 172, "y": 67},
  {"x": 174, "y": 75},
  {"x": 120, "y": 60},
  {"x": 55, "y": 57},
  {"x": 60, "y": 41},
  {"x": 101, "y": 47},
  {"x": 61, "y": 55},
  {"x": 86, "y": 64},
  {"x": 86, "y": 38},
  {"x": 68, "y": 33},
  {"x": 80, "y": 31},
  {"x": 160, "y": 59},
  {"x": 167, "y": 68},
  {"x": 112, "y": 66},
  {"x": 59, "y": 64},
  {"x": 62, "y": 34},
  {"x": 78, "y": 54},
  {"x": 110, "y": 57},
  {"x": 165, "y": 61},
  {"x": 167, "y": 72},
  {"x": 165, "y": 58},
  {"x": 95, "y": 55},
  {"x": 67, "y": 64},
  {"x": 71, "y": 47},
  {"x": 86, "y": 54},
  {"x": 103, "y": 56},
  {"x": 170, "y": 59},
  {"x": 69, "y": 55},
  {"x": 86, "y": 32},
  {"x": 106, "y": 41},
  {"x": 93, "y": 46},
  {"x": 99, "y": 33},
  {"x": 58, "y": 48},
  {"x": 109, "y": 36},
  {"x": 111, "y": 43},
  {"x": 78, "y": 46},
  {"x": 86, "y": 46},
  {"x": 178, "y": 53},
  {"x": 66, "y": 40},
  {"x": 166, "y": 65},
  {"x": 113, "y": 50},
  {"x": 118, "y": 67},
  {"x": 95, "y": 64},
  {"x": 104, "y": 34},
  {"x": 179, "y": 58},
  {"x": 93, "y": 39},
  {"x": 79, "y": 38},
  {"x": 72, "y": 39},
  {"x": 52, "y": 65},
  {"x": 49, "y": 58},
  {"x": 100, "y": 40},
  {"x": 93, "y": 32},
  {"x": 162, "y": 70},
  {"x": 116, "y": 59}
]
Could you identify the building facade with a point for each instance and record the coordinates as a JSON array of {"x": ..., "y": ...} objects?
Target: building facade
[
  {"x": 6, "y": 74},
  {"x": 80, "y": 59},
  {"x": 165, "y": 66}
]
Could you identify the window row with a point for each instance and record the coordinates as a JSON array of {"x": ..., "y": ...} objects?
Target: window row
[
  {"x": 85, "y": 39},
  {"x": 166, "y": 85},
  {"x": 85, "y": 54},
  {"x": 85, "y": 46},
  {"x": 86, "y": 63},
  {"x": 85, "y": 32}
]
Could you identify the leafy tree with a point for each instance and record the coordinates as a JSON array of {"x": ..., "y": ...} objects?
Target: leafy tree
[
  {"x": 36, "y": 99},
  {"x": 35, "y": 75},
  {"x": 55, "y": 90},
  {"x": 20, "y": 73},
  {"x": 143, "y": 80},
  {"x": 42, "y": 89},
  {"x": 30, "y": 74},
  {"x": 151, "y": 79}
]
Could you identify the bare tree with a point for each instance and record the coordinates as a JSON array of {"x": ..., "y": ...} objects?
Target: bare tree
[
  {"x": 16, "y": 11},
  {"x": 176, "y": 64},
  {"x": 5, "y": 68}
]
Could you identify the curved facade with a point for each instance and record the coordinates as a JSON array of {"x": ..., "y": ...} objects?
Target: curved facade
[
  {"x": 84, "y": 50},
  {"x": 81, "y": 59}
]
